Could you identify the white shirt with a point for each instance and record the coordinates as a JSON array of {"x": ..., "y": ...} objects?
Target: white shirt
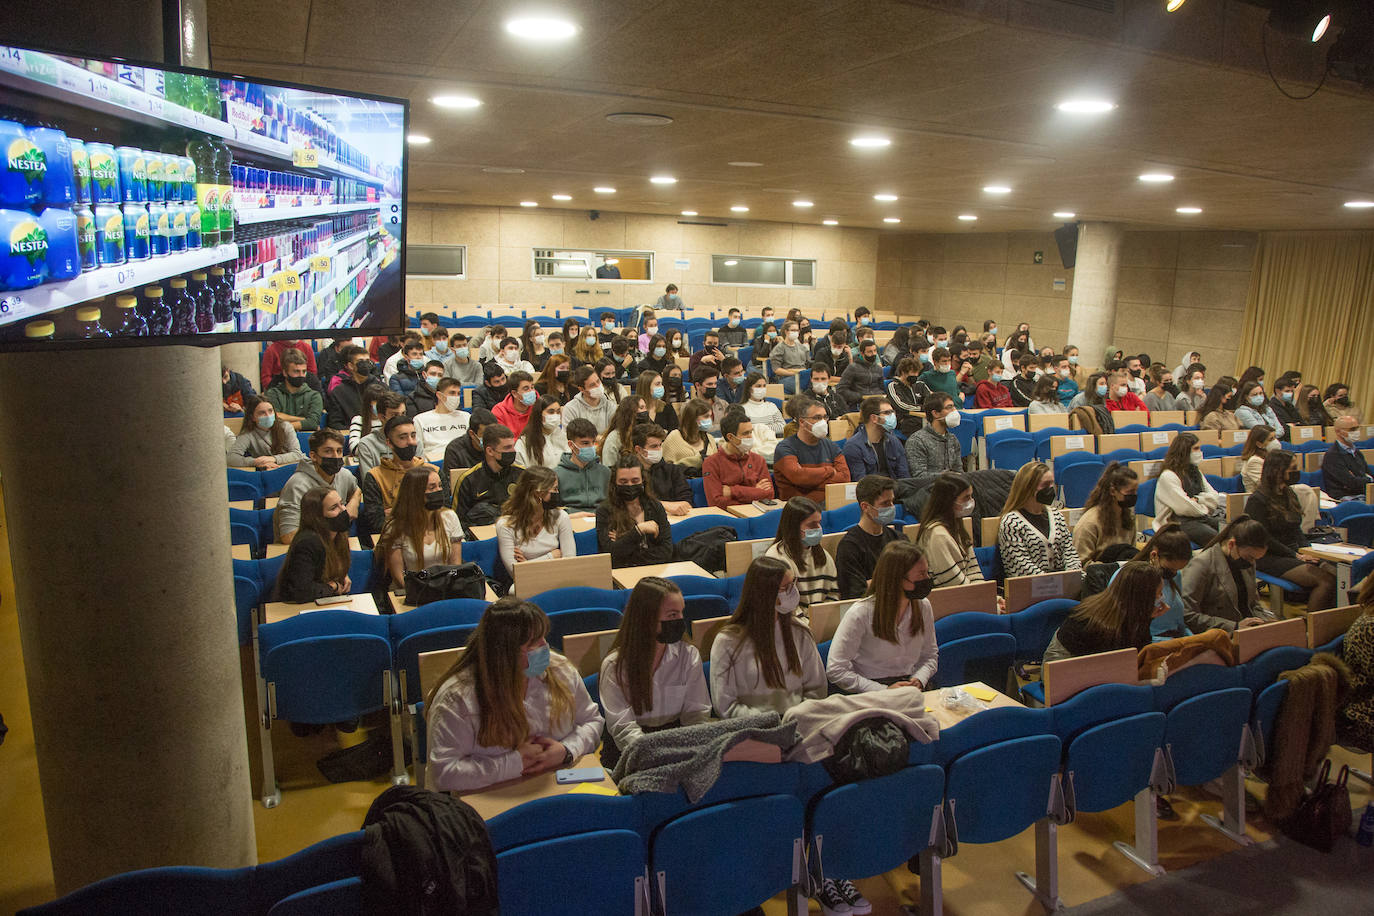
[
  {"x": 857, "y": 657},
  {"x": 436, "y": 553},
  {"x": 555, "y": 446},
  {"x": 389, "y": 367},
  {"x": 545, "y": 542},
  {"x": 436, "y": 430},
  {"x": 1172, "y": 500},
  {"x": 737, "y": 682},
  {"x": 457, "y": 763},
  {"x": 679, "y": 692}
]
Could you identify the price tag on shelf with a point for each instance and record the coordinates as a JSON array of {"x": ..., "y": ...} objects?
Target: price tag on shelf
[
  {"x": 275, "y": 283},
  {"x": 259, "y": 297},
  {"x": 320, "y": 263},
  {"x": 290, "y": 280},
  {"x": 305, "y": 158},
  {"x": 267, "y": 301},
  {"x": 11, "y": 59}
]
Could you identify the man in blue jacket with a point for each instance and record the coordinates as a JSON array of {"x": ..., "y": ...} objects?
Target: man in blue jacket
[{"x": 874, "y": 449}]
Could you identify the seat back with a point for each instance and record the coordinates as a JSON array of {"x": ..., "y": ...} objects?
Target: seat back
[
  {"x": 176, "y": 889},
  {"x": 584, "y": 620},
  {"x": 699, "y": 523},
  {"x": 765, "y": 525},
  {"x": 245, "y": 601},
  {"x": 985, "y": 657},
  {"x": 1034, "y": 627},
  {"x": 1263, "y": 669},
  {"x": 1112, "y": 761},
  {"x": 580, "y": 596},
  {"x": 896, "y": 813},
  {"x": 1205, "y": 734},
  {"x": 1009, "y": 449},
  {"x": 701, "y": 585},
  {"x": 337, "y": 858},
  {"x": 1192, "y": 681},
  {"x": 701, "y": 607},
  {"x": 338, "y": 898},
  {"x": 586, "y": 874},
  {"x": 409, "y": 648},
  {"x": 561, "y": 815},
  {"x": 987, "y": 806},
  {"x": 1078, "y": 482}
]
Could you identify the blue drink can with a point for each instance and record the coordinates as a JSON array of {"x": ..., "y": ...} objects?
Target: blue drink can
[
  {"x": 192, "y": 212},
  {"x": 137, "y": 246},
  {"x": 23, "y": 250},
  {"x": 109, "y": 235},
  {"x": 59, "y": 184},
  {"x": 85, "y": 236},
  {"x": 157, "y": 172},
  {"x": 159, "y": 230},
  {"x": 176, "y": 217},
  {"x": 171, "y": 176},
  {"x": 63, "y": 256},
  {"x": 22, "y": 166},
  {"x": 188, "y": 178},
  {"x": 104, "y": 167},
  {"x": 133, "y": 174},
  {"x": 81, "y": 171}
]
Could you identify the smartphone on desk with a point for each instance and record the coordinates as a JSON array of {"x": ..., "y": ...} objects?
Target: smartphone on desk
[
  {"x": 767, "y": 502},
  {"x": 580, "y": 774},
  {"x": 334, "y": 599}
]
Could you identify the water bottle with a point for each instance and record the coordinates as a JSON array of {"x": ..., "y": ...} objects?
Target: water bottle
[{"x": 1365, "y": 835}]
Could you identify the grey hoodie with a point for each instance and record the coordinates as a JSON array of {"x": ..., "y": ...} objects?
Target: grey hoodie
[
  {"x": 288, "y": 515},
  {"x": 370, "y": 451},
  {"x": 256, "y": 443}
]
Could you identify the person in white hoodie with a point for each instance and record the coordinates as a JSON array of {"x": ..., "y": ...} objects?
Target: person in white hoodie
[
  {"x": 1183, "y": 495},
  {"x": 887, "y": 638},
  {"x": 590, "y": 402},
  {"x": 543, "y": 443}
]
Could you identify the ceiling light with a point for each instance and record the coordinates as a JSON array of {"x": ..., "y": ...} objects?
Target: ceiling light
[
  {"x": 604, "y": 190},
  {"x": 456, "y": 101},
  {"x": 1308, "y": 20},
  {"x": 529, "y": 203},
  {"x": 870, "y": 141},
  {"x": 830, "y": 222},
  {"x": 1085, "y": 106},
  {"x": 562, "y": 197},
  {"x": 1063, "y": 214},
  {"x": 967, "y": 217},
  {"x": 417, "y": 139},
  {"x": 891, "y": 219},
  {"x": 1173, "y": 5},
  {"x": 1156, "y": 177},
  {"x": 663, "y": 179},
  {"x": 996, "y": 189},
  {"x": 689, "y": 213},
  {"x": 1188, "y": 211},
  {"x": 802, "y": 203},
  {"x": 730, "y": 263},
  {"x": 739, "y": 208},
  {"x": 1359, "y": 204},
  {"x": 541, "y": 28},
  {"x": 639, "y": 118},
  {"x": 885, "y": 198},
  {"x": 744, "y": 164}
]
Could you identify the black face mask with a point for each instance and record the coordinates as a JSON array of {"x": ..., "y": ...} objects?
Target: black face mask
[
  {"x": 363, "y": 367},
  {"x": 671, "y": 631},
  {"x": 629, "y": 492},
  {"x": 921, "y": 589},
  {"x": 1045, "y": 496},
  {"x": 1342, "y": 401},
  {"x": 708, "y": 393},
  {"x": 643, "y": 416},
  {"x": 434, "y": 500},
  {"x": 560, "y": 374},
  {"x": 340, "y": 522},
  {"x": 1126, "y": 502},
  {"x": 295, "y": 382},
  {"x": 506, "y": 458},
  {"x": 403, "y": 452},
  {"x": 553, "y": 501},
  {"x": 331, "y": 466},
  {"x": 1172, "y": 389}
]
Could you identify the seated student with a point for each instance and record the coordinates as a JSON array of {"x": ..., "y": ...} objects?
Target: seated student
[
  {"x": 708, "y": 386},
  {"x": 933, "y": 448},
  {"x": 625, "y": 358},
  {"x": 630, "y": 524},
  {"x": 508, "y": 707},
  {"x": 1345, "y": 473},
  {"x": 940, "y": 377},
  {"x": 617, "y": 439},
  {"x": 404, "y": 351},
  {"x": 1121, "y": 397},
  {"x": 532, "y": 348},
  {"x": 798, "y": 544},
  {"x": 445, "y": 423},
  {"x": 1033, "y": 538},
  {"x": 1260, "y": 442},
  {"x": 991, "y": 392},
  {"x": 373, "y": 447},
  {"x": 582, "y": 478},
  {"x": 789, "y": 357},
  {"x": 834, "y": 352},
  {"x": 1219, "y": 588},
  {"x": 489, "y": 341},
  {"x": 382, "y": 482},
  {"x": 533, "y": 525},
  {"x": 421, "y": 531},
  {"x": 586, "y": 349},
  {"x": 823, "y": 390},
  {"x": 1067, "y": 386},
  {"x": 324, "y": 468},
  {"x": 656, "y": 357},
  {"x": 408, "y": 369},
  {"x": 1108, "y": 513},
  {"x": 674, "y": 389},
  {"x": 459, "y": 360},
  {"x": 691, "y": 443},
  {"x": 292, "y": 396},
  {"x": 265, "y": 442},
  {"x": 652, "y": 393},
  {"x": 591, "y": 401},
  {"x": 330, "y": 359},
  {"x": 1022, "y": 385},
  {"x": 1183, "y": 493},
  {"x": 735, "y": 474},
  {"x": 542, "y": 444},
  {"x": 732, "y": 374},
  {"x": 493, "y": 389},
  {"x": 760, "y": 333},
  {"x": 369, "y": 417},
  {"x": 874, "y": 448},
  {"x": 898, "y": 347},
  {"x": 765, "y": 659},
  {"x": 425, "y": 397},
  {"x": 887, "y": 638},
  {"x": 344, "y": 400},
  {"x": 1045, "y": 397},
  {"x": 1253, "y": 409},
  {"x": 1311, "y": 410},
  {"x": 907, "y": 394},
  {"x": 509, "y": 359},
  {"x": 652, "y": 679},
  {"x": 1163, "y": 393},
  {"x": 864, "y": 376},
  {"x": 1170, "y": 552},
  {"x": 1275, "y": 506},
  {"x": 1355, "y": 716},
  {"x": 765, "y": 338},
  {"x": 1192, "y": 384},
  {"x": 316, "y": 564},
  {"x": 858, "y": 550},
  {"x": 946, "y": 543},
  {"x": 806, "y": 461},
  {"x": 484, "y": 488},
  {"x": 555, "y": 380},
  {"x": 1284, "y": 403},
  {"x": 1213, "y": 413},
  {"x": 1118, "y": 618},
  {"x": 234, "y": 389},
  {"x": 1336, "y": 403},
  {"x": 466, "y": 450},
  {"x": 516, "y": 409},
  {"x": 665, "y": 480},
  {"x": 732, "y": 335},
  {"x": 761, "y": 411}
]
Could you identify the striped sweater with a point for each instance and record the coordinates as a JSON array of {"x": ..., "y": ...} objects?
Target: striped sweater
[
  {"x": 815, "y": 584},
  {"x": 949, "y": 565}
]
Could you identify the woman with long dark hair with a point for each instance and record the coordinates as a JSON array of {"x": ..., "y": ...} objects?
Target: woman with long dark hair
[
  {"x": 946, "y": 543},
  {"x": 617, "y": 439},
  {"x": 1275, "y": 506},
  {"x": 265, "y": 442},
  {"x": 420, "y": 531},
  {"x": 887, "y": 638},
  {"x": 1183, "y": 494},
  {"x": 798, "y": 544},
  {"x": 542, "y": 442},
  {"x": 533, "y": 525},
  {"x": 1214, "y": 414},
  {"x": 631, "y": 525},
  {"x": 1108, "y": 513},
  {"x": 1118, "y": 618},
  {"x": 316, "y": 564},
  {"x": 1219, "y": 590}
]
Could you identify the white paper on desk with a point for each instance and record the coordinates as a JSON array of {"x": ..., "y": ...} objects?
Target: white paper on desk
[
  {"x": 1344, "y": 551},
  {"x": 759, "y": 549},
  {"x": 358, "y": 609},
  {"x": 1074, "y": 442},
  {"x": 1047, "y": 586}
]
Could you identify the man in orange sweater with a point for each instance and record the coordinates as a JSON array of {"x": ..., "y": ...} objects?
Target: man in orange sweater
[
  {"x": 734, "y": 474},
  {"x": 806, "y": 461},
  {"x": 514, "y": 411}
]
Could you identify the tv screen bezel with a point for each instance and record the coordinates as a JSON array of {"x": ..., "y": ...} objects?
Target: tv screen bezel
[{"x": 21, "y": 345}]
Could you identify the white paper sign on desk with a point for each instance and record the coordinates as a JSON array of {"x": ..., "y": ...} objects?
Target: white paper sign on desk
[
  {"x": 1003, "y": 422},
  {"x": 849, "y": 490},
  {"x": 1074, "y": 442},
  {"x": 1047, "y": 586}
]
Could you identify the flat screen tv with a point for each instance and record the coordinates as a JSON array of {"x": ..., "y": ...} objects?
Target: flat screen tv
[{"x": 162, "y": 205}]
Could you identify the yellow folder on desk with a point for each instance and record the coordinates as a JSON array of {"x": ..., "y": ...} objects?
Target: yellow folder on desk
[
  {"x": 593, "y": 788},
  {"x": 981, "y": 693}
]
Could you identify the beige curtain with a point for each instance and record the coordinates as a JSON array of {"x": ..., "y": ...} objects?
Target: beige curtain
[{"x": 1311, "y": 307}]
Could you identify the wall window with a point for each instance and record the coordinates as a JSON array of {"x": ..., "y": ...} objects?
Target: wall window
[
  {"x": 737, "y": 270},
  {"x": 604, "y": 266},
  {"x": 447, "y": 261}
]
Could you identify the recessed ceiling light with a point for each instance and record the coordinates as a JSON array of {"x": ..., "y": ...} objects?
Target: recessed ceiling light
[
  {"x": 689, "y": 213},
  {"x": 639, "y": 118},
  {"x": 663, "y": 179},
  {"x": 891, "y": 219},
  {"x": 1085, "y": 106},
  {"x": 456, "y": 101},
  {"x": 996, "y": 189},
  {"x": 739, "y": 208},
  {"x": 870, "y": 141},
  {"x": 1321, "y": 28},
  {"x": 562, "y": 197},
  {"x": 730, "y": 263},
  {"x": 1063, "y": 214},
  {"x": 502, "y": 170},
  {"x": 744, "y": 164},
  {"x": 1188, "y": 210},
  {"x": 541, "y": 28},
  {"x": 1156, "y": 177},
  {"x": 967, "y": 217},
  {"x": 802, "y": 203},
  {"x": 1359, "y": 204},
  {"x": 529, "y": 203},
  {"x": 830, "y": 222},
  {"x": 417, "y": 139},
  {"x": 604, "y": 190},
  {"x": 885, "y": 198},
  {"x": 1173, "y": 5}
]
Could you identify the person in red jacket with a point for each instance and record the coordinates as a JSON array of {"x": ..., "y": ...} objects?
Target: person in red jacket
[
  {"x": 735, "y": 474},
  {"x": 991, "y": 392},
  {"x": 1120, "y": 396},
  {"x": 514, "y": 412},
  {"x": 271, "y": 358}
]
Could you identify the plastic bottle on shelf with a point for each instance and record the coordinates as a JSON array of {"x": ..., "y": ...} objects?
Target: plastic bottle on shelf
[
  {"x": 43, "y": 329},
  {"x": 183, "y": 306},
  {"x": 156, "y": 312},
  {"x": 63, "y": 257},
  {"x": 224, "y": 164},
  {"x": 202, "y": 155},
  {"x": 21, "y": 171},
  {"x": 128, "y": 322},
  {"x": 205, "y": 301},
  {"x": 223, "y": 290},
  {"x": 88, "y": 323}
]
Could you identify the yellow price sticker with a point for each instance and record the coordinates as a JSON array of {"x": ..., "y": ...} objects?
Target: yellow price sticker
[
  {"x": 248, "y": 297},
  {"x": 276, "y": 282},
  {"x": 320, "y": 263},
  {"x": 308, "y": 158},
  {"x": 290, "y": 280},
  {"x": 267, "y": 301}
]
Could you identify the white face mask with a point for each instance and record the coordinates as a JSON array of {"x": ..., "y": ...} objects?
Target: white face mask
[
  {"x": 791, "y": 337},
  {"x": 746, "y": 444},
  {"x": 952, "y": 419},
  {"x": 943, "y": 367},
  {"x": 677, "y": 344},
  {"x": 552, "y": 421},
  {"x": 1121, "y": 390},
  {"x": 1272, "y": 445},
  {"x": 1196, "y": 457},
  {"x": 593, "y": 393},
  {"x": 1198, "y": 383},
  {"x": 510, "y": 356},
  {"x": 539, "y": 339},
  {"x": 653, "y": 455},
  {"x": 1064, "y": 373},
  {"x": 453, "y": 401},
  {"x": 820, "y": 387},
  {"x": 964, "y": 509},
  {"x": 757, "y": 394},
  {"x": 820, "y": 429}
]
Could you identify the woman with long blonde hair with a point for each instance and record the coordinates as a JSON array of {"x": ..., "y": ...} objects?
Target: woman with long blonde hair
[
  {"x": 420, "y": 531},
  {"x": 1033, "y": 537},
  {"x": 533, "y": 525}
]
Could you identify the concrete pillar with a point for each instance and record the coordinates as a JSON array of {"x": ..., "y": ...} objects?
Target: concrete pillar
[{"x": 1092, "y": 312}]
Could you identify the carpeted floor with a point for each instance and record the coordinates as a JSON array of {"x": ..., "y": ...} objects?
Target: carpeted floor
[{"x": 1278, "y": 878}]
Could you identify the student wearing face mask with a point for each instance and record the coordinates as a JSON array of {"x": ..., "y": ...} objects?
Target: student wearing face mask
[
  {"x": 459, "y": 360},
  {"x": 1065, "y": 383},
  {"x": 382, "y": 483},
  {"x": 274, "y": 363},
  {"x": 516, "y": 409},
  {"x": 670, "y": 301},
  {"x": 1045, "y": 396},
  {"x": 664, "y": 480},
  {"x": 656, "y": 357},
  {"x": 1163, "y": 393},
  {"x": 542, "y": 442},
  {"x": 1336, "y": 402},
  {"x": 1022, "y": 385},
  {"x": 582, "y": 478},
  {"x": 735, "y": 474},
  {"x": 265, "y": 442},
  {"x": 789, "y": 357},
  {"x": 406, "y": 376},
  {"x": 631, "y": 525},
  {"x": 1259, "y": 443},
  {"x": 446, "y": 422},
  {"x": 533, "y": 524},
  {"x": 466, "y": 450},
  {"x": 345, "y": 398},
  {"x": 652, "y": 679},
  {"x": 708, "y": 386},
  {"x": 863, "y": 377},
  {"x": 555, "y": 380},
  {"x": 296, "y": 402},
  {"x": 693, "y": 441},
  {"x": 732, "y": 375},
  {"x": 653, "y": 395},
  {"x": 765, "y": 659},
  {"x": 508, "y": 357},
  {"x": 1033, "y": 538},
  {"x": 823, "y": 390},
  {"x": 324, "y": 468},
  {"x": 674, "y": 385},
  {"x": 484, "y": 488},
  {"x": 940, "y": 377},
  {"x": 1120, "y": 396},
  {"x": 421, "y": 531},
  {"x": 1184, "y": 494},
  {"x": 1284, "y": 403},
  {"x": 806, "y": 461},
  {"x": 1192, "y": 387},
  {"x": 392, "y": 363},
  {"x": 1213, "y": 414},
  {"x": 798, "y": 544},
  {"x": 1118, "y": 618},
  {"x": 991, "y": 392},
  {"x": 857, "y": 553},
  {"x": 1108, "y": 515},
  {"x": 1345, "y": 473},
  {"x": 493, "y": 389},
  {"x": 834, "y": 351},
  {"x": 1169, "y": 552},
  {"x": 943, "y": 538},
  {"x": 732, "y": 334},
  {"x": 934, "y": 448},
  {"x": 874, "y": 448},
  {"x": 1253, "y": 409},
  {"x": 710, "y": 354},
  {"x": 316, "y": 564},
  {"x": 590, "y": 403},
  {"x": 373, "y": 447},
  {"x": 509, "y": 707},
  {"x": 1275, "y": 506},
  {"x": 532, "y": 347},
  {"x": 425, "y": 397},
  {"x": 586, "y": 348},
  {"x": 761, "y": 412},
  {"x": 1218, "y": 584},
  {"x": 887, "y": 638}
]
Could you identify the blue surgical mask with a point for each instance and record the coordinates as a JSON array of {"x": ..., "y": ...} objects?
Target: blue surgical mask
[
  {"x": 887, "y": 515},
  {"x": 890, "y": 421},
  {"x": 537, "y": 661},
  {"x": 1288, "y": 396},
  {"x": 658, "y": 352},
  {"x": 265, "y": 422},
  {"x": 704, "y": 423},
  {"x": 811, "y": 537},
  {"x": 1256, "y": 400},
  {"x": 433, "y": 380},
  {"x": 440, "y": 346},
  {"x": 925, "y": 358},
  {"x": 657, "y": 392},
  {"x": 417, "y": 364},
  {"x": 865, "y": 320},
  {"x": 556, "y": 351},
  {"x": 529, "y": 397},
  {"x": 586, "y": 454},
  {"x": 460, "y": 352},
  {"x": 1073, "y": 360},
  {"x": 734, "y": 322},
  {"x": 1101, "y": 390}
]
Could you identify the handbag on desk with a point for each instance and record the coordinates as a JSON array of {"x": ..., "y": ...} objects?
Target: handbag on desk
[{"x": 438, "y": 583}]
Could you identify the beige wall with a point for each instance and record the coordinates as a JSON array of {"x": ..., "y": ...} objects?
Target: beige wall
[{"x": 499, "y": 240}]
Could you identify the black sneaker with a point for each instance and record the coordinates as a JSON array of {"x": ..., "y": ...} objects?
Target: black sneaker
[
  {"x": 831, "y": 900},
  {"x": 858, "y": 903}
]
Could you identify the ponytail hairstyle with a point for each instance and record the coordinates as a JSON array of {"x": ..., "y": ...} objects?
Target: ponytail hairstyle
[
  {"x": 1245, "y": 531},
  {"x": 1112, "y": 519}
]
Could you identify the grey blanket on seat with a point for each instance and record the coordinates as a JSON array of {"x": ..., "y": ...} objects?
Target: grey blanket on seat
[{"x": 690, "y": 757}]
